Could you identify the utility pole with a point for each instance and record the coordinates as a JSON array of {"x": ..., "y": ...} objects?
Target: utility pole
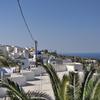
[{"x": 36, "y": 53}]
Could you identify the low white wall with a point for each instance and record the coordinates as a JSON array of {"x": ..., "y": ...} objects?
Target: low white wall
[
  {"x": 19, "y": 79},
  {"x": 3, "y": 92},
  {"x": 60, "y": 68},
  {"x": 29, "y": 75},
  {"x": 39, "y": 70}
]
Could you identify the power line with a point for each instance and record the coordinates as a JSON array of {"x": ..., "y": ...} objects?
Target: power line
[
  {"x": 35, "y": 42},
  {"x": 23, "y": 17}
]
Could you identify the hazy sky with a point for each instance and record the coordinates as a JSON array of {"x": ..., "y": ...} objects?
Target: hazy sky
[{"x": 62, "y": 25}]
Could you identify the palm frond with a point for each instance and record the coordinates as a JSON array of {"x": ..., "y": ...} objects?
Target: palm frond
[
  {"x": 87, "y": 77},
  {"x": 13, "y": 88},
  {"x": 97, "y": 93},
  {"x": 17, "y": 93},
  {"x": 64, "y": 87},
  {"x": 3, "y": 61},
  {"x": 74, "y": 86},
  {"x": 77, "y": 86},
  {"x": 6, "y": 61},
  {"x": 38, "y": 95},
  {"x": 55, "y": 81},
  {"x": 89, "y": 89},
  {"x": 96, "y": 89}
]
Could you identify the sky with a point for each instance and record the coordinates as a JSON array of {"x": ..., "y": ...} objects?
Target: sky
[{"x": 67, "y": 26}]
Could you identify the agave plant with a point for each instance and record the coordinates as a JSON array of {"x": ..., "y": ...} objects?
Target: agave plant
[
  {"x": 15, "y": 92},
  {"x": 70, "y": 87}
]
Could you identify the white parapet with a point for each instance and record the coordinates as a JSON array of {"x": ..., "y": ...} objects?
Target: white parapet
[
  {"x": 29, "y": 75},
  {"x": 19, "y": 79},
  {"x": 3, "y": 92},
  {"x": 38, "y": 71},
  {"x": 60, "y": 67}
]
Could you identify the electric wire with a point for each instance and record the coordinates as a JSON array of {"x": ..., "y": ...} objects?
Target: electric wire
[
  {"x": 26, "y": 24},
  {"x": 20, "y": 8}
]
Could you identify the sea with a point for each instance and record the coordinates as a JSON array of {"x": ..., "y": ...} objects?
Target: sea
[{"x": 85, "y": 55}]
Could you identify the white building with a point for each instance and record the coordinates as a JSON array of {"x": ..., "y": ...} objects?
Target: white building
[
  {"x": 65, "y": 61},
  {"x": 52, "y": 60},
  {"x": 74, "y": 67},
  {"x": 15, "y": 50},
  {"x": 8, "y": 48},
  {"x": 25, "y": 53},
  {"x": 31, "y": 62},
  {"x": 91, "y": 61}
]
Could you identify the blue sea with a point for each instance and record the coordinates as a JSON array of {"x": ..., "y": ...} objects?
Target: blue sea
[{"x": 85, "y": 55}]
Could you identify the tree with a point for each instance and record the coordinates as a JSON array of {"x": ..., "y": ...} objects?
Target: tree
[
  {"x": 71, "y": 88},
  {"x": 59, "y": 86},
  {"x": 3, "y": 61},
  {"x": 17, "y": 93},
  {"x": 67, "y": 88},
  {"x": 86, "y": 90}
]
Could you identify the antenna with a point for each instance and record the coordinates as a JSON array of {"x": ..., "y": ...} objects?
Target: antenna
[{"x": 36, "y": 43}]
